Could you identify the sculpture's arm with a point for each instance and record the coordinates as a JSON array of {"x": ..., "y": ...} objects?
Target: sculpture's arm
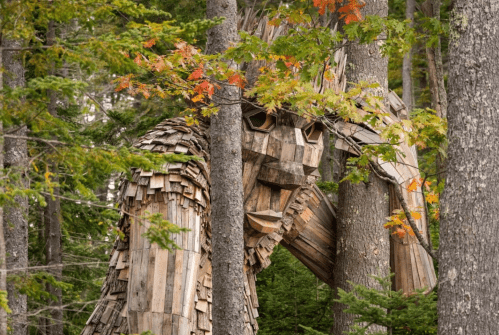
[{"x": 148, "y": 288}]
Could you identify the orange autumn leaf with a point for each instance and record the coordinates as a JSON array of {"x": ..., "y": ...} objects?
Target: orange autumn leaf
[
  {"x": 237, "y": 80},
  {"x": 205, "y": 87},
  {"x": 431, "y": 198},
  {"x": 197, "y": 74},
  {"x": 413, "y": 186},
  {"x": 351, "y": 11},
  {"x": 197, "y": 98},
  {"x": 149, "y": 43},
  {"x": 138, "y": 60},
  {"x": 416, "y": 215},
  {"x": 399, "y": 232}
]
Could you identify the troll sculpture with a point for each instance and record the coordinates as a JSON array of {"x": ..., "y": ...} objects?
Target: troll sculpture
[{"x": 148, "y": 288}]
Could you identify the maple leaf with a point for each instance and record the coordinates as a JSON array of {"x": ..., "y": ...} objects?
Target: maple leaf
[
  {"x": 351, "y": 11},
  {"x": 237, "y": 80},
  {"x": 197, "y": 98},
  {"x": 138, "y": 60},
  {"x": 399, "y": 232},
  {"x": 416, "y": 215},
  {"x": 149, "y": 43},
  {"x": 431, "y": 198},
  {"x": 205, "y": 87},
  {"x": 197, "y": 74},
  {"x": 413, "y": 186},
  {"x": 124, "y": 82}
]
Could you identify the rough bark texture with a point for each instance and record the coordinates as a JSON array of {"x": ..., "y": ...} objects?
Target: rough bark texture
[
  {"x": 227, "y": 187},
  {"x": 15, "y": 217},
  {"x": 407, "y": 94},
  {"x": 363, "y": 245},
  {"x": 469, "y": 249},
  {"x": 3, "y": 273},
  {"x": 362, "y": 242},
  {"x": 52, "y": 220}
]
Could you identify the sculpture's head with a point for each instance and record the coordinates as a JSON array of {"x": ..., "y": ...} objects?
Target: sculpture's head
[
  {"x": 285, "y": 148},
  {"x": 280, "y": 151}
]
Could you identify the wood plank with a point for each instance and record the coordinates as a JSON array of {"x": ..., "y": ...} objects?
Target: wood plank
[
  {"x": 131, "y": 190},
  {"x": 159, "y": 285},
  {"x": 157, "y": 181},
  {"x": 264, "y": 195},
  {"x": 151, "y": 265},
  {"x": 191, "y": 282},
  {"x": 202, "y": 306},
  {"x": 177, "y": 284},
  {"x": 157, "y": 323},
  {"x": 167, "y": 324},
  {"x": 170, "y": 280}
]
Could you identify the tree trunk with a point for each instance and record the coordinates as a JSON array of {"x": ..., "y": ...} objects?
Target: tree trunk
[
  {"x": 15, "y": 216},
  {"x": 362, "y": 242},
  {"x": 438, "y": 93},
  {"x": 3, "y": 273},
  {"x": 53, "y": 250},
  {"x": 407, "y": 95},
  {"x": 227, "y": 189},
  {"x": 468, "y": 253}
]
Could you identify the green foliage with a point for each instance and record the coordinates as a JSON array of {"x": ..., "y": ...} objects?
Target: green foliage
[
  {"x": 33, "y": 285},
  {"x": 290, "y": 295},
  {"x": 327, "y": 186},
  {"x": 160, "y": 231},
  {"x": 413, "y": 314},
  {"x": 4, "y": 302}
]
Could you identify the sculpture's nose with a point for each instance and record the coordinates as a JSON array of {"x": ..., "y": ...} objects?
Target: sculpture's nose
[{"x": 285, "y": 174}]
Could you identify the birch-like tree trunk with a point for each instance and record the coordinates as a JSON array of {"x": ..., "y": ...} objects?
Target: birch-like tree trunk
[
  {"x": 15, "y": 217},
  {"x": 226, "y": 185},
  {"x": 468, "y": 300},
  {"x": 363, "y": 245},
  {"x": 407, "y": 94}
]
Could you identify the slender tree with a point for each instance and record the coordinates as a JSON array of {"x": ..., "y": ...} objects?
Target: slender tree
[
  {"x": 226, "y": 180},
  {"x": 15, "y": 215},
  {"x": 362, "y": 242},
  {"x": 439, "y": 103},
  {"x": 407, "y": 94},
  {"x": 468, "y": 253},
  {"x": 3, "y": 268},
  {"x": 52, "y": 219}
]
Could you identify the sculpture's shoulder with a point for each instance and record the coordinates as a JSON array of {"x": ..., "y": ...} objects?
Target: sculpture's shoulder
[
  {"x": 175, "y": 136},
  {"x": 190, "y": 179}
]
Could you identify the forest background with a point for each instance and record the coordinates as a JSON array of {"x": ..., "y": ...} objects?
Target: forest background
[{"x": 77, "y": 116}]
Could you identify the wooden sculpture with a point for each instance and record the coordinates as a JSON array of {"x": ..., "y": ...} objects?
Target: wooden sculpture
[{"x": 148, "y": 288}]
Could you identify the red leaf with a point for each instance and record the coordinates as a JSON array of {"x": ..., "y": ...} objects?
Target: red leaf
[
  {"x": 138, "y": 60},
  {"x": 197, "y": 74},
  {"x": 149, "y": 43},
  {"x": 237, "y": 80},
  {"x": 205, "y": 87}
]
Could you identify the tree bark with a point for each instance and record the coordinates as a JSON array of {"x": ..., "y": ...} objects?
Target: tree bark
[
  {"x": 362, "y": 243},
  {"x": 407, "y": 94},
  {"x": 15, "y": 216},
  {"x": 53, "y": 248},
  {"x": 469, "y": 251},
  {"x": 227, "y": 189},
  {"x": 3, "y": 268}
]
